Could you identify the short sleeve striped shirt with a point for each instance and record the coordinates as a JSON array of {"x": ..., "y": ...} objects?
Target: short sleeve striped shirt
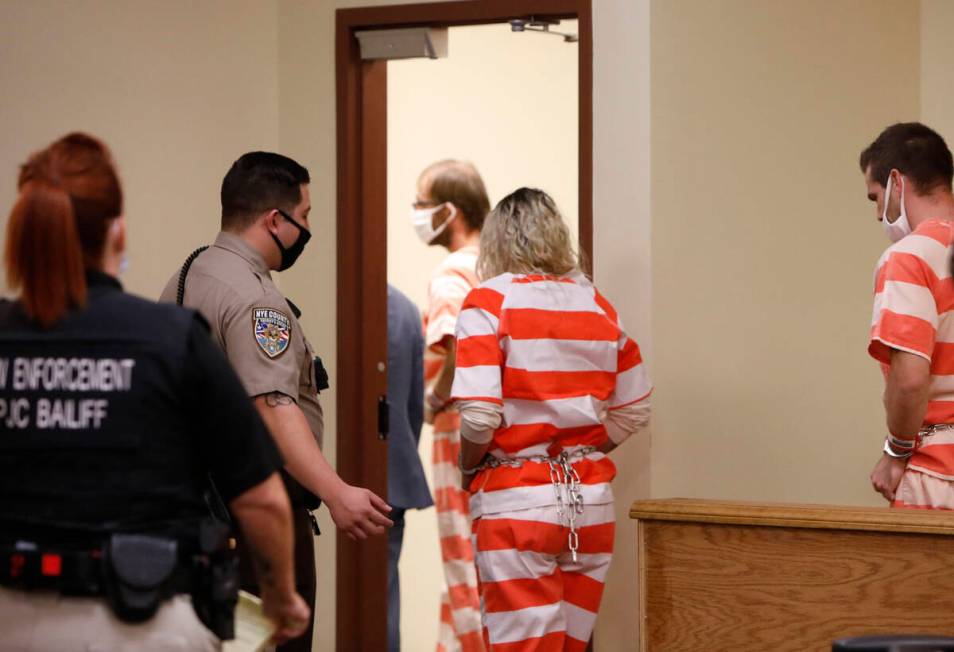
[
  {"x": 552, "y": 352},
  {"x": 914, "y": 312},
  {"x": 449, "y": 285}
]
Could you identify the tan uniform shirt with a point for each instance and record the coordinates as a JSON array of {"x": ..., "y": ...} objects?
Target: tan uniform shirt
[{"x": 230, "y": 285}]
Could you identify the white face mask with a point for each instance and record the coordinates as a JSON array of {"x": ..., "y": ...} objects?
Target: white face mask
[
  {"x": 423, "y": 221},
  {"x": 900, "y": 227}
]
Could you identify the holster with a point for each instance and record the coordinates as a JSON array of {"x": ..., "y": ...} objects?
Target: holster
[
  {"x": 135, "y": 573},
  {"x": 217, "y": 581},
  {"x": 138, "y": 571}
]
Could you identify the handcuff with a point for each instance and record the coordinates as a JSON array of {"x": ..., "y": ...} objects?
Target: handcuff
[
  {"x": 464, "y": 471},
  {"x": 907, "y": 447}
]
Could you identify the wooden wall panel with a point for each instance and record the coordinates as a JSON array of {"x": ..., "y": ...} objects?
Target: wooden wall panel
[{"x": 708, "y": 585}]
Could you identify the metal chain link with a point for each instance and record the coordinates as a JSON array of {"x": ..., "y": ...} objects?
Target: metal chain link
[
  {"x": 926, "y": 433},
  {"x": 567, "y": 486},
  {"x": 933, "y": 430}
]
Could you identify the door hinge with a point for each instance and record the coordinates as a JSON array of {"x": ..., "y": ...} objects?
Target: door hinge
[{"x": 384, "y": 425}]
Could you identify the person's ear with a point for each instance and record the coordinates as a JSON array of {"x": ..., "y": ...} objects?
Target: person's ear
[
  {"x": 270, "y": 220},
  {"x": 117, "y": 234},
  {"x": 896, "y": 181},
  {"x": 439, "y": 216},
  {"x": 449, "y": 209}
]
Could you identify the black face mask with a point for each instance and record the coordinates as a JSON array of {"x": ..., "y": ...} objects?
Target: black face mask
[{"x": 291, "y": 254}]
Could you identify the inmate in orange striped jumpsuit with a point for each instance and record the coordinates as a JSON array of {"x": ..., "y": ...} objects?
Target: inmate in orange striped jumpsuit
[
  {"x": 460, "y": 610},
  {"x": 544, "y": 368},
  {"x": 914, "y": 312}
]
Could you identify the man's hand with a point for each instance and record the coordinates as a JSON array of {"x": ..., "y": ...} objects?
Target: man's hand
[
  {"x": 905, "y": 403},
  {"x": 436, "y": 400},
  {"x": 289, "y": 613},
  {"x": 356, "y": 511},
  {"x": 887, "y": 475},
  {"x": 359, "y": 512},
  {"x": 434, "y": 405}
]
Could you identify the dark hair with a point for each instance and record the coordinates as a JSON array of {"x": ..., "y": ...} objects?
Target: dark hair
[
  {"x": 459, "y": 183},
  {"x": 914, "y": 150},
  {"x": 69, "y": 195},
  {"x": 258, "y": 182}
]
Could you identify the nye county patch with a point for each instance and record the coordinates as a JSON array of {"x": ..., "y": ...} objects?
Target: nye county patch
[{"x": 272, "y": 330}]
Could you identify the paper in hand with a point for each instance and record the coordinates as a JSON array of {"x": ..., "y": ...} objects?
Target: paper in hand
[{"x": 253, "y": 629}]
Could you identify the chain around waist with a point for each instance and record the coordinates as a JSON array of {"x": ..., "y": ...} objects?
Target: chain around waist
[
  {"x": 566, "y": 481},
  {"x": 925, "y": 433},
  {"x": 561, "y": 459}
]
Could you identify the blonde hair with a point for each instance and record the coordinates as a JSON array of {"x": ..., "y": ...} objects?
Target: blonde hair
[{"x": 526, "y": 234}]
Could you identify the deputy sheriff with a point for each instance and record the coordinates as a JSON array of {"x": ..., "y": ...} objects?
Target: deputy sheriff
[
  {"x": 265, "y": 208},
  {"x": 114, "y": 412}
]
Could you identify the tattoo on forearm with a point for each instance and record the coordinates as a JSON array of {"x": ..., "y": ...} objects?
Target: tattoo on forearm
[{"x": 274, "y": 399}]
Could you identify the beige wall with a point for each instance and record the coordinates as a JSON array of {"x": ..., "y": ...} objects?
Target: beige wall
[
  {"x": 177, "y": 89},
  {"x": 622, "y": 259},
  {"x": 753, "y": 271},
  {"x": 764, "y": 245},
  {"x": 937, "y": 54}
]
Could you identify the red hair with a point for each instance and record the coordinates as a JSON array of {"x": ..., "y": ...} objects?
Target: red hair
[{"x": 69, "y": 196}]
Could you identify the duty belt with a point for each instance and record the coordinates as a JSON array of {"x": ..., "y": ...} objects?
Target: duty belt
[
  {"x": 567, "y": 487},
  {"x": 135, "y": 573},
  {"x": 74, "y": 572},
  {"x": 26, "y": 565}
]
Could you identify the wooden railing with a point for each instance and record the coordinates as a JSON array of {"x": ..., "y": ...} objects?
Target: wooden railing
[{"x": 735, "y": 576}]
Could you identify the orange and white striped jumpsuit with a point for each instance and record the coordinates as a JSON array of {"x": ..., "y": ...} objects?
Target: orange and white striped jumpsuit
[
  {"x": 460, "y": 628},
  {"x": 544, "y": 369},
  {"x": 914, "y": 312}
]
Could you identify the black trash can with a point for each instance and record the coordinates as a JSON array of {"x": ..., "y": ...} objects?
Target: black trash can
[{"x": 895, "y": 643}]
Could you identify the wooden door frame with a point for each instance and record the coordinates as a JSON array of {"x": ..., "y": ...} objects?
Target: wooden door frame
[{"x": 361, "y": 103}]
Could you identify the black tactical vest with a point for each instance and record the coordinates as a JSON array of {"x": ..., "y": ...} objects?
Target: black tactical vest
[{"x": 94, "y": 419}]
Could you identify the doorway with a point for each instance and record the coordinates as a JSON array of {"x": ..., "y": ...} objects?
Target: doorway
[
  {"x": 507, "y": 102},
  {"x": 378, "y": 162}
]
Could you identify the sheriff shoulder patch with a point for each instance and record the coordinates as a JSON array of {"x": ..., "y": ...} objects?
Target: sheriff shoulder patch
[{"x": 272, "y": 330}]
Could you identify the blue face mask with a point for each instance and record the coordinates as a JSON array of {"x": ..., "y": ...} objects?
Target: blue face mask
[{"x": 291, "y": 254}]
